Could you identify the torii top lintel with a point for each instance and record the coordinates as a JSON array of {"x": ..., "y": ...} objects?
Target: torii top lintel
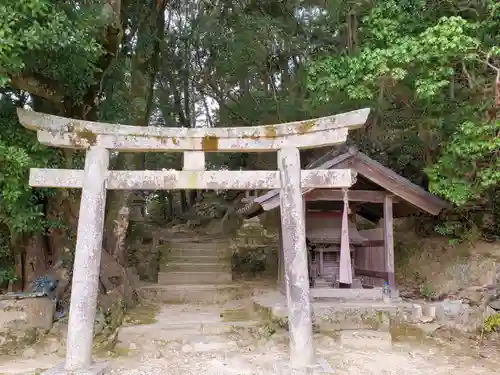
[{"x": 63, "y": 132}]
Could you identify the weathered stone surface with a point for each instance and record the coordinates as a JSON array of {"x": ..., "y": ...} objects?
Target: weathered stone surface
[
  {"x": 195, "y": 294},
  {"x": 416, "y": 313},
  {"x": 495, "y": 305},
  {"x": 361, "y": 315},
  {"x": 62, "y": 132},
  {"x": 186, "y": 180},
  {"x": 21, "y": 322},
  {"x": 85, "y": 283},
  {"x": 302, "y": 351},
  {"x": 30, "y": 312},
  {"x": 111, "y": 272},
  {"x": 194, "y": 161}
]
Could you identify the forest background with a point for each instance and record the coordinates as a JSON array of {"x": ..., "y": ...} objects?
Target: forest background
[{"x": 429, "y": 69}]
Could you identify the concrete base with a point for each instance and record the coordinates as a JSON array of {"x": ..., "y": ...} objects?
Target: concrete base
[
  {"x": 97, "y": 368},
  {"x": 340, "y": 315},
  {"x": 347, "y": 294}
]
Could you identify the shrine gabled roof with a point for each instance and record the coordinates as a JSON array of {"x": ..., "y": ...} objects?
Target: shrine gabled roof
[{"x": 410, "y": 195}]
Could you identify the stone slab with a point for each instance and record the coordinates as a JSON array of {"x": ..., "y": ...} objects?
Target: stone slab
[
  {"x": 181, "y": 331},
  {"x": 193, "y": 251},
  {"x": 195, "y": 267},
  {"x": 337, "y": 315},
  {"x": 194, "y": 259},
  {"x": 169, "y": 278},
  {"x": 32, "y": 312},
  {"x": 348, "y": 294},
  {"x": 97, "y": 368},
  {"x": 192, "y": 293}
]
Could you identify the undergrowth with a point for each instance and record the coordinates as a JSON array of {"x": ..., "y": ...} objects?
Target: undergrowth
[{"x": 492, "y": 324}]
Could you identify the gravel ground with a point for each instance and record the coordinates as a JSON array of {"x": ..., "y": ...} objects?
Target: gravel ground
[{"x": 145, "y": 350}]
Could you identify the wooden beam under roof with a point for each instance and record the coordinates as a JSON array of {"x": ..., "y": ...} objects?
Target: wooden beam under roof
[{"x": 368, "y": 196}]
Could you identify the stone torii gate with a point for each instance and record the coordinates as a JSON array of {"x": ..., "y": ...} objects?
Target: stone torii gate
[{"x": 95, "y": 179}]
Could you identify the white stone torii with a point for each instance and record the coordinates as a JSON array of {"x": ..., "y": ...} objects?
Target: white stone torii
[{"x": 95, "y": 179}]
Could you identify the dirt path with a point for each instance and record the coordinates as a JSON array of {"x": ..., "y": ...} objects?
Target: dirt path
[{"x": 223, "y": 340}]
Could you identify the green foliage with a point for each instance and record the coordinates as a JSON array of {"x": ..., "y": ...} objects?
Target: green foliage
[
  {"x": 419, "y": 64},
  {"x": 469, "y": 162},
  {"x": 492, "y": 324},
  {"x": 249, "y": 263},
  {"x": 20, "y": 206},
  {"x": 397, "y": 51},
  {"x": 422, "y": 67},
  {"x": 427, "y": 290},
  {"x": 7, "y": 271},
  {"x": 19, "y": 151},
  {"x": 58, "y": 40}
]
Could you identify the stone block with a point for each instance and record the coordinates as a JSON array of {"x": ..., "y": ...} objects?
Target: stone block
[
  {"x": 440, "y": 313},
  {"x": 29, "y": 312},
  {"x": 430, "y": 311},
  {"x": 416, "y": 313},
  {"x": 20, "y": 321},
  {"x": 348, "y": 294}
]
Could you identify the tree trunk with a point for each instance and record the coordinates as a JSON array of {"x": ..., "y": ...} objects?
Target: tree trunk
[
  {"x": 170, "y": 204},
  {"x": 144, "y": 69},
  {"x": 35, "y": 262}
]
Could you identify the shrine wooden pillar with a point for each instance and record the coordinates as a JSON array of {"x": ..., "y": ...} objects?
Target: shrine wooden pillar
[
  {"x": 281, "y": 258},
  {"x": 389, "y": 244}
]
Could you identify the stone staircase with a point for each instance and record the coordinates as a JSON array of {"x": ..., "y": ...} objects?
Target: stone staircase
[
  {"x": 194, "y": 268},
  {"x": 195, "y": 260}
]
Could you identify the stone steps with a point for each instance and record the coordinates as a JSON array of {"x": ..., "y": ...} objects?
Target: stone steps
[
  {"x": 204, "y": 328},
  {"x": 196, "y": 277},
  {"x": 206, "y": 243},
  {"x": 193, "y": 293},
  {"x": 195, "y": 267},
  {"x": 186, "y": 238},
  {"x": 194, "y": 259},
  {"x": 182, "y": 331},
  {"x": 197, "y": 252}
]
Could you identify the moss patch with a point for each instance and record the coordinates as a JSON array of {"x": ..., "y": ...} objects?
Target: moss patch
[
  {"x": 407, "y": 332},
  {"x": 236, "y": 315},
  {"x": 143, "y": 314}
]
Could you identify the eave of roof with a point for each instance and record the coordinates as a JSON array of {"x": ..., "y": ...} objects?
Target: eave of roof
[{"x": 361, "y": 163}]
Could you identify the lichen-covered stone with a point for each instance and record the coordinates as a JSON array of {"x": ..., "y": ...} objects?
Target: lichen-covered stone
[
  {"x": 22, "y": 321},
  {"x": 63, "y": 132}
]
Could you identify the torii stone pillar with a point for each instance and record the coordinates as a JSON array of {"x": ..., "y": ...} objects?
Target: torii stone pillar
[
  {"x": 85, "y": 283},
  {"x": 296, "y": 265}
]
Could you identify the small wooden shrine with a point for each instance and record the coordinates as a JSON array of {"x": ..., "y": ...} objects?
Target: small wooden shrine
[{"x": 340, "y": 254}]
